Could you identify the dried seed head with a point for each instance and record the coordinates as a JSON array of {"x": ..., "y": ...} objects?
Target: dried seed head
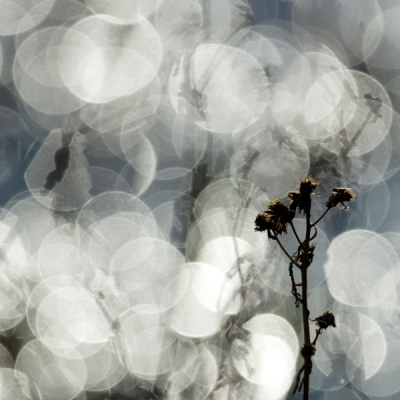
[
  {"x": 275, "y": 218},
  {"x": 308, "y": 185},
  {"x": 326, "y": 320},
  {"x": 301, "y": 197},
  {"x": 263, "y": 222},
  {"x": 280, "y": 210},
  {"x": 340, "y": 195},
  {"x": 276, "y": 205}
]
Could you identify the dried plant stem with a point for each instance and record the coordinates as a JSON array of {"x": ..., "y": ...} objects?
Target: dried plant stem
[
  {"x": 274, "y": 237},
  {"x": 306, "y": 327},
  {"x": 295, "y": 293},
  {"x": 275, "y": 221},
  {"x": 322, "y": 216},
  {"x": 295, "y": 233},
  {"x": 317, "y": 333},
  {"x": 307, "y": 341}
]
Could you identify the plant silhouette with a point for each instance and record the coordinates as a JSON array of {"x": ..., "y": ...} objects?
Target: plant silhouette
[{"x": 276, "y": 220}]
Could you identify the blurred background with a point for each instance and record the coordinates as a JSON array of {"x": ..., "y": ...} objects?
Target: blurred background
[{"x": 139, "y": 140}]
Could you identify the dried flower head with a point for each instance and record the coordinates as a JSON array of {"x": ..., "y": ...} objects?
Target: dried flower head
[
  {"x": 263, "y": 222},
  {"x": 326, "y": 320},
  {"x": 301, "y": 197},
  {"x": 280, "y": 210},
  {"x": 340, "y": 195},
  {"x": 275, "y": 218}
]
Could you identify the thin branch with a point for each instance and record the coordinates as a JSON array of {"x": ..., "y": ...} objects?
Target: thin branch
[
  {"x": 296, "y": 386},
  {"x": 274, "y": 237},
  {"x": 315, "y": 234},
  {"x": 295, "y": 293},
  {"x": 319, "y": 219},
  {"x": 295, "y": 233},
  {"x": 317, "y": 333},
  {"x": 359, "y": 131}
]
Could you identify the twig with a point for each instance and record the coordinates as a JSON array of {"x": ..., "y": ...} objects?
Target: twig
[
  {"x": 296, "y": 386},
  {"x": 315, "y": 234},
  {"x": 295, "y": 233},
  {"x": 295, "y": 293},
  {"x": 317, "y": 333},
  {"x": 274, "y": 237},
  {"x": 319, "y": 219}
]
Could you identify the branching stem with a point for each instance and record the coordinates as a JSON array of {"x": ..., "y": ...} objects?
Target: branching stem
[
  {"x": 295, "y": 233},
  {"x": 305, "y": 263},
  {"x": 322, "y": 216},
  {"x": 275, "y": 220},
  {"x": 315, "y": 233},
  {"x": 317, "y": 333},
  {"x": 274, "y": 237},
  {"x": 295, "y": 293}
]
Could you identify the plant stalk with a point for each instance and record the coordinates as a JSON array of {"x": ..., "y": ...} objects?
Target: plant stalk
[
  {"x": 306, "y": 327},
  {"x": 307, "y": 340}
]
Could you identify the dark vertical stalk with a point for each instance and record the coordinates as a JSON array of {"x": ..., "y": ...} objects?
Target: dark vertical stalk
[
  {"x": 275, "y": 221},
  {"x": 306, "y": 327}
]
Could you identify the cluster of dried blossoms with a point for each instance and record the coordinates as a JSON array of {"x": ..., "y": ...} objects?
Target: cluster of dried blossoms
[
  {"x": 278, "y": 215},
  {"x": 275, "y": 220}
]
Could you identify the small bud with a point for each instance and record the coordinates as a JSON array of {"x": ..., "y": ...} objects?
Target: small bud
[
  {"x": 340, "y": 195},
  {"x": 326, "y": 320}
]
